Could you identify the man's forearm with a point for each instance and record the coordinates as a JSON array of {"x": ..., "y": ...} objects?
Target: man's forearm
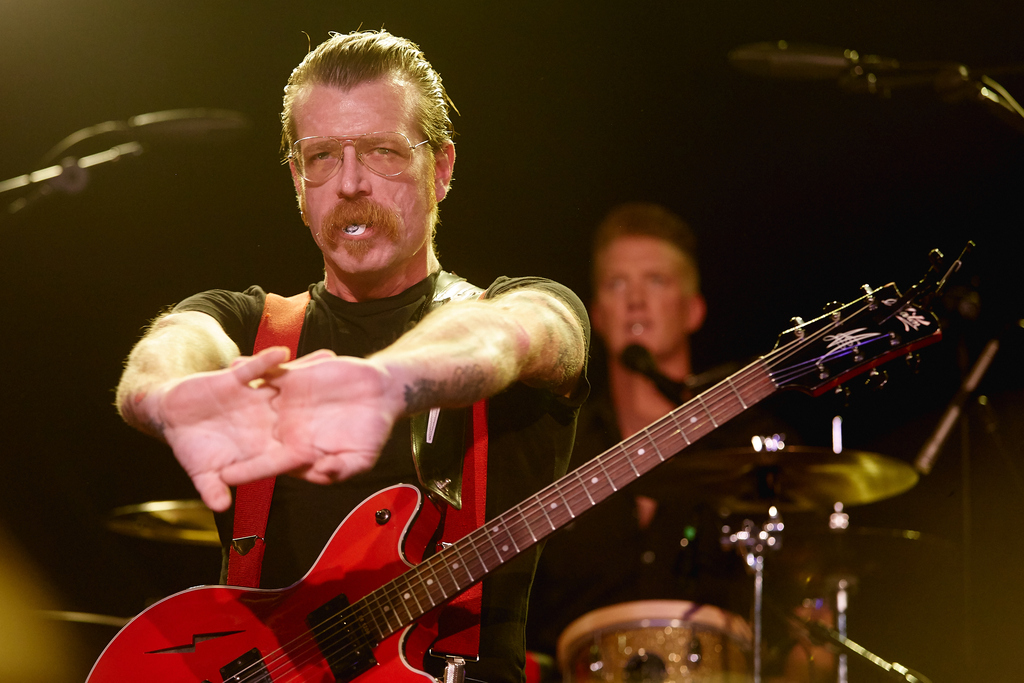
[
  {"x": 467, "y": 351},
  {"x": 175, "y": 346}
]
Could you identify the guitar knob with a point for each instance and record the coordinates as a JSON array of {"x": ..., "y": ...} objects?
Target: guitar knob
[{"x": 876, "y": 380}]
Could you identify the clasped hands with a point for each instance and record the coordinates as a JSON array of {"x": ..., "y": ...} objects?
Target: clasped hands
[{"x": 321, "y": 417}]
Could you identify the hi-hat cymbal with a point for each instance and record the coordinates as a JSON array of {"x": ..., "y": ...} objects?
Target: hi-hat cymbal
[
  {"x": 796, "y": 478},
  {"x": 816, "y": 558},
  {"x": 173, "y": 521}
]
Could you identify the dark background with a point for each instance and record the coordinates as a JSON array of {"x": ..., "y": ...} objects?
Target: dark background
[{"x": 800, "y": 192}]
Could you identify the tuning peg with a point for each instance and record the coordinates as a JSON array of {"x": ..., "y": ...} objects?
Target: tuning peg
[
  {"x": 798, "y": 329},
  {"x": 876, "y": 380},
  {"x": 834, "y": 309},
  {"x": 869, "y": 294}
]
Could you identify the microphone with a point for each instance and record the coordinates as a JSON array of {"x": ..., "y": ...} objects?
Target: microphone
[
  {"x": 190, "y": 124},
  {"x": 852, "y": 71},
  {"x": 796, "y": 62},
  {"x": 639, "y": 359},
  {"x": 170, "y": 125}
]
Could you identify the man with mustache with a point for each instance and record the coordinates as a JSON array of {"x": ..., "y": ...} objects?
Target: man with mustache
[{"x": 368, "y": 141}]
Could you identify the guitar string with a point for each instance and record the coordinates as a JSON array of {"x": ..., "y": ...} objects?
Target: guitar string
[{"x": 713, "y": 397}]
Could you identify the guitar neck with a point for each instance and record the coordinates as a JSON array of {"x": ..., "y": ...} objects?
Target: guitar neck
[{"x": 457, "y": 567}]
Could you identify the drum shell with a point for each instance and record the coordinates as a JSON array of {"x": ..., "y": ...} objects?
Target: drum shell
[{"x": 660, "y": 641}]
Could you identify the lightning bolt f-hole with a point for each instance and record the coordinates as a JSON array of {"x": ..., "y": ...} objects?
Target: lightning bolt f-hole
[{"x": 196, "y": 639}]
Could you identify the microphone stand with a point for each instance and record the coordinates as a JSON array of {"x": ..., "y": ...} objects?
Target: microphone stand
[
  {"x": 930, "y": 451},
  {"x": 954, "y": 83},
  {"x": 69, "y": 176}
]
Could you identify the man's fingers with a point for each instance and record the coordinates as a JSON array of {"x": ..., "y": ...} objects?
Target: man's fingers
[
  {"x": 213, "y": 491},
  {"x": 310, "y": 358},
  {"x": 261, "y": 364},
  {"x": 260, "y": 467}
]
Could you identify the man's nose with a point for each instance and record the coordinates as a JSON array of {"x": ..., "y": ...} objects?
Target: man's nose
[
  {"x": 635, "y": 295},
  {"x": 353, "y": 176}
]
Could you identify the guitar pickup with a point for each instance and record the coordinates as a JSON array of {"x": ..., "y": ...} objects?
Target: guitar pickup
[
  {"x": 249, "y": 668},
  {"x": 342, "y": 638}
]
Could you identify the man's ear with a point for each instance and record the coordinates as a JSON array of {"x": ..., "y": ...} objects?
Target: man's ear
[
  {"x": 444, "y": 165},
  {"x": 697, "y": 310}
]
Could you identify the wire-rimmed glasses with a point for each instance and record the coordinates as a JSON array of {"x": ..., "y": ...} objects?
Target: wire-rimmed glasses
[{"x": 318, "y": 157}]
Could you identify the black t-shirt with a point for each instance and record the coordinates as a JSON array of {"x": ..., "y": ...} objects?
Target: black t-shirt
[{"x": 530, "y": 436}]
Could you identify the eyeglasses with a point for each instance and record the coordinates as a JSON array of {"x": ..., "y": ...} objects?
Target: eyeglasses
[{"x": 317, "y": 158}]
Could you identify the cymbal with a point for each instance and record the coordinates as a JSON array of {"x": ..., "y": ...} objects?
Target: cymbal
[
  {"x": 797, "y": 478},
  {"x": 172, "y": 521},
  {"x": 82, "y": 617},
  {"x": 816, "y": 559}
]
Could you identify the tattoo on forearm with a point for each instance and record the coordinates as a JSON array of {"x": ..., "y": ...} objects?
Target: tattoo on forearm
[{"x": 466, "y": 385}]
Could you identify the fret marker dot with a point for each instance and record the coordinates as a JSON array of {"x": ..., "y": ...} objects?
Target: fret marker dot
[
  {"x": 455, "y": 566},
  {"x": 594, "y": 480},
  {"x": 554, "y": 505},
  {"x": 504, "y": 548},
  {"x": 640, "y": 452},
  {"x": 387, "y": 608},
  {"x": 406, "y": 596},
  {"x": 495, "y": 529},
  {"x": 692, "y": 420},
  {"x": 430, "y": 582}
]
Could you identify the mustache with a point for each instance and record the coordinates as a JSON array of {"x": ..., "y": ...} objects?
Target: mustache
[{"x": 363, "y": 211}]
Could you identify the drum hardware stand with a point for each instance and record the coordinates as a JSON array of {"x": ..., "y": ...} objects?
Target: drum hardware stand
[
  {"x": 839, "y": 522},
  {"x": 752, "y": 543},
  {"x": 820, "y": 633}
]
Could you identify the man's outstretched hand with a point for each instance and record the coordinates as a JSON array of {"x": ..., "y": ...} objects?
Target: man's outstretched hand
[{"x": 215, "y": 420}]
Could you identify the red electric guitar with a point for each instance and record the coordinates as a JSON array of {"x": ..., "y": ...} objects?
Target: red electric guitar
[{"x": 364, "y": 611}]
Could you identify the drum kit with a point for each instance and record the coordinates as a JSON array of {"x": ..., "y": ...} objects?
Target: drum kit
[{"x": 675, "y": 641}]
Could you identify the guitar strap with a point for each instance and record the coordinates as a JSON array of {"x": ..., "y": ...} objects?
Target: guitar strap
[
  {"x": 280, "y": 325},
  {"x": 459, "y": 621},
  {"x": 464, "y": 489}
]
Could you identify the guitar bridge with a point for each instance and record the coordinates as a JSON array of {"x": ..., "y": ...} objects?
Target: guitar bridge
[{"x": 342, "y": 638}]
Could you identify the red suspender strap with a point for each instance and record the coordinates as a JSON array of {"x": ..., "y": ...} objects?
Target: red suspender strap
[
  {"x": 459, "y": 622},
  {"x": 280, "y": 325}
]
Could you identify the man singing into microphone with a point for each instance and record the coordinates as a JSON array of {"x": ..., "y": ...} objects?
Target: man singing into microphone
[
  {"x": 658, "y": 539},
  {"x": 646, "y": 292}
]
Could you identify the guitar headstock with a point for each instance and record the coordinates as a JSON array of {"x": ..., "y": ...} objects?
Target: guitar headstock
[{"x": 820, "y": 354}]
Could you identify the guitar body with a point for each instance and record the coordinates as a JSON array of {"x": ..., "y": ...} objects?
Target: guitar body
[{"x": 191, "y": 636}]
